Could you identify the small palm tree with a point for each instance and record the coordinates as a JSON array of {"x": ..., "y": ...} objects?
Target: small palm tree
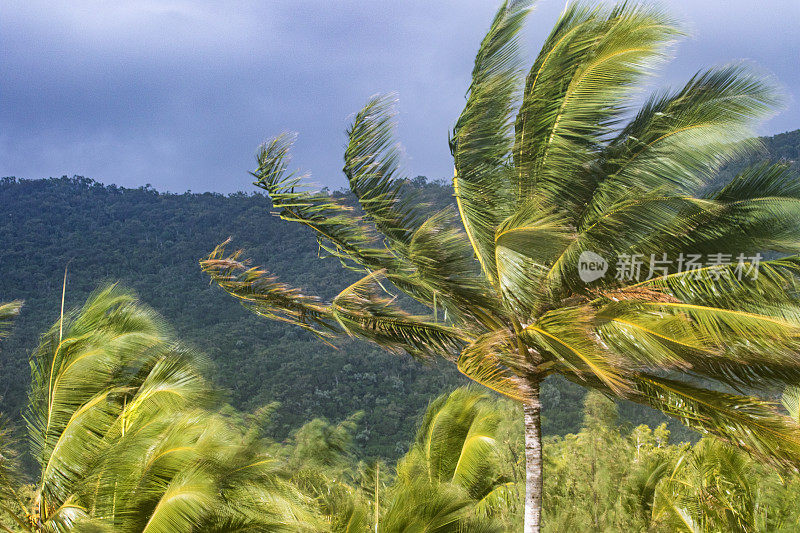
[
  {"x": 553, "y": 172},
  {"x": 121, "y": 425},
  {"x": 453, "y": 478},
  {"x": 713, "y": 488}
]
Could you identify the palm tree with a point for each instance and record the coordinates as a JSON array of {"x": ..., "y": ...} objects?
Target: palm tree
[
  {"x": 121, "y": 425},
  {"x": 555, "y": 172},
  {"x": 454, "y": 477},
  {"x": 713, "y": 488}
]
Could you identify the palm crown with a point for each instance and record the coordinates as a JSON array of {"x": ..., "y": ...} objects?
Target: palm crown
[{"x": 549, "y": 167}]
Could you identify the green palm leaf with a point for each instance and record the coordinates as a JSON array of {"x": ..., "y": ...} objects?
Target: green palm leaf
[
  {"x": 744, "y": 421},
  {"x": 482, "y": 138}
]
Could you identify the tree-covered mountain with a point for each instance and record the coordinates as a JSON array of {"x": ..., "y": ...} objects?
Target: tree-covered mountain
[{"x": 151, "y": 242}]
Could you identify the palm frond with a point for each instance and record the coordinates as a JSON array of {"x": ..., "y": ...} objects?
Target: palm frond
[
  {"x": 74, "y": 396},
  {"x": 482, "y": 138},
  {"x": 744, "y": 421},
  {"x": 791, "y": 401},
  {"x": 264, "y": 294},
  {"x": 775, "y": 284},
  {"x": 452, "y": 475},
  {"x": 446, "y": 272},
  {"x": 436, "y": 257},
  {"x": 576, "y": 92},
  {"x": 359, "y": 310},
  {"x": 391, "y": 214},
  {"x": 8, "y": 311},
  {"x": 673, "y": 340},
  {"x": 362, "y": 311},
  {"x": 184, "y": 504},
  {"x": 338, "y": 229},
  {"x": 568, "y": 336},
  {"x": 678, "y": 140},
  {"x": 527, "y": 245},
  {"x": 759, "y": 181},
  {"x": 493, "y": 360},
  {"x": 371, "y": 167}
]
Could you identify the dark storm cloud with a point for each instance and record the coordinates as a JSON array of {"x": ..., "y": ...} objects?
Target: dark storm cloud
[{"x": 179, "y": 93}]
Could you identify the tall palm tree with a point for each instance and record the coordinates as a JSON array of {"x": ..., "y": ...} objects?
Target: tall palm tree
[
  {"x": 122, "y": 427},
  {"x": 549, "y": 168}
]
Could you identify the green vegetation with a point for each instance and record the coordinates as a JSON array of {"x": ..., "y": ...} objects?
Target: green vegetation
[
  {"x": 121, "y": 425},
  {"x": 656, "y": 485},
  {"x": 549, "y": 169},
  {"x": 310, "y": 429},
  {"x": 128, "y": 436},
  {"x": 151, "y": 241}
]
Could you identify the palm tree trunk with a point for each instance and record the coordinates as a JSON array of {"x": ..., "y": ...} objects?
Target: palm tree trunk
[{"x": 532, "y": 408}]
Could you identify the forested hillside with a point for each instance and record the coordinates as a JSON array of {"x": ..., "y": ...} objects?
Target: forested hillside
[{"x": 151, "y": 242}]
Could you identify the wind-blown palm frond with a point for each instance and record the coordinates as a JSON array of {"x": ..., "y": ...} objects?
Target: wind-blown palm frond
[
  {"x": 447, "y": 280},
  {"x": 526, "y": 246},
  {"x": 362, "y": 311},
  {"x": 745, "y": 421},
  {"x": 568, "y": 337},
  {"x": 493, "y": 360},
  {"x": 338, "y": 229},
  {"x": 264, "y": 294},
  {"x": 74, "y": 393},
  {"x": 433, "y": 252},
  {"x": 677, "y": 141},
  {"x": 791, "y": 402},
  {"x": 358, "y": 310},
  {"x": 576, "y": 91},
  {"x": 444, "y": 267},
  {"x": 722, "y": 285},
  {"x": 8, "y": 311},
  {"x": 456, "y": 439},
  {"x": 482, "y": 137},
  {"x": 371, "y": 167}
]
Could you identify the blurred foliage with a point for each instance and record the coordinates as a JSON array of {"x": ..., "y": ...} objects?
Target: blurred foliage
[{"x": 463, "y": 471}]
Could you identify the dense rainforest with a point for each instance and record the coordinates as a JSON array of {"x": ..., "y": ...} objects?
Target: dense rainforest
[{"x": 151, "y": 242}]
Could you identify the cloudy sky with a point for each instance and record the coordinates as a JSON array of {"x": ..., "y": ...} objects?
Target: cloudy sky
[{"x": 179, "y": 93}]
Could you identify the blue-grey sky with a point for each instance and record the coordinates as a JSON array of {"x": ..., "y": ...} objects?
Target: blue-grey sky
[{"x": 179, "y": 93}]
